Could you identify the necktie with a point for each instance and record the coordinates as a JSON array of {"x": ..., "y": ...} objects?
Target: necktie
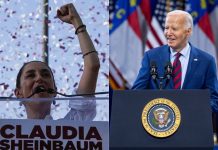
[{"x": 177, "y": 72}]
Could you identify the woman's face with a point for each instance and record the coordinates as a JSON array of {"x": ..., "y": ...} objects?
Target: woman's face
[{"x": 35, "y": 74}]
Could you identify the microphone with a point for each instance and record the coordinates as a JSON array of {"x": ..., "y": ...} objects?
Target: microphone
[
  {"x": 168, "y": 73},
  {"x": 168, "y": 70},
  {"x": 153, "y": 70},
  {"x": 38, "y": 89}
]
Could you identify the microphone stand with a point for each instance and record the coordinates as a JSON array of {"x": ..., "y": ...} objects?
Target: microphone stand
[
  {"x": 167, "y": 75},
  {"x": 161, "y": 82}
]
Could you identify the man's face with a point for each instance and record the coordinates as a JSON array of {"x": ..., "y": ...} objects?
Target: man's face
[
  {"x": 176, "y": 32},
  {"x": 35, "y": 74}
]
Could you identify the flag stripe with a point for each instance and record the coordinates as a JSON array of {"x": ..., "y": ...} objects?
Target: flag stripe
[
  {"x": 204, "y": 23},
  {"x": 148, "y": 44},
  {"x": 134, "y": 24},
  {"x": 113, "y": 83},
  {"x": 146, "y": 10},
  {"x": 152, "y": 39},
  {"x": 155, "y": 33},
  {"x": 118, "y": 74},
  {"x": 159, "y": 31}
]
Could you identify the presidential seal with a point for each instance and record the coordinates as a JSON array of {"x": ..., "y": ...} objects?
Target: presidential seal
[{"x": 161, "y": 117}]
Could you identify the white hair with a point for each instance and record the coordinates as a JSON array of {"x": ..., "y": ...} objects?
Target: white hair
[{"x": 189, "y": 19}]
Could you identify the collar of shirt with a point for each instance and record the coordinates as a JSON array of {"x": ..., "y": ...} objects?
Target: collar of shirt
[{"x": 185, "y": 52}]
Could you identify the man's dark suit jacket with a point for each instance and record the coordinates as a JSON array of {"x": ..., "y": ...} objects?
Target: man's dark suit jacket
[{"x": 201, "y": 71}]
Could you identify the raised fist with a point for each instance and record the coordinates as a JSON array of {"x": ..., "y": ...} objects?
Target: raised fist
[{"x": 67, "y": 13}]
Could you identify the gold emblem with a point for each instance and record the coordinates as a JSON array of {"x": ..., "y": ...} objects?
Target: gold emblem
[{"x": 161, "y": 117}]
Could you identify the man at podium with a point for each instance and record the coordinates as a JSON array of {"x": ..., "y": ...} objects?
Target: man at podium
[{"x": 179, "y": 62}]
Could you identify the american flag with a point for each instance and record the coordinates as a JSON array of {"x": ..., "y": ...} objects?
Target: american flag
[
  {"x": 137, "y": 26},
  {"x": 156, "y": 20}
]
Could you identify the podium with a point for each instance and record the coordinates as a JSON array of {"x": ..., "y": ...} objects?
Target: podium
[
  {"x": 60, "y": 131},
  {"x": 194, "y": 132}
]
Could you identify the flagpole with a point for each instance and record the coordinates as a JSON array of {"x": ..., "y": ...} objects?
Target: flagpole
[{"x": 45, "y": 39}]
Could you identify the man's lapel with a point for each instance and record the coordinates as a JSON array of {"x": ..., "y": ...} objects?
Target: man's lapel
[{"x": 192, "y": 65}]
